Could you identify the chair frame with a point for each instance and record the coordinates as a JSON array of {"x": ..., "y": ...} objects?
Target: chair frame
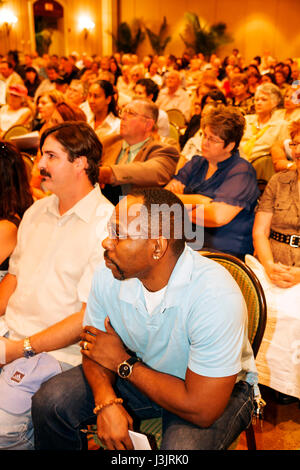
[
  {"x": 180, "y": 114},
  {"x": 20, "y": 127},
  {"x": 250, "y": 435},
  {"x": 262, "y": 181},
  {"x": 259, "y": 291}
]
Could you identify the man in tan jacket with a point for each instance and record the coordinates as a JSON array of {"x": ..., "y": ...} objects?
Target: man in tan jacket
[{"x": 134, "y": 157}]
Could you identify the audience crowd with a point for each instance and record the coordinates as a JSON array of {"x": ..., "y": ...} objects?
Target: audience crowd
[{"x": 194, "y": 126}]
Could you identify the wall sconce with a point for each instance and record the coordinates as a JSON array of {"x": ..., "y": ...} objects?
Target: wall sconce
[
  {"x": 7, "y": 19},
  {"x": 85, "y": 24}
]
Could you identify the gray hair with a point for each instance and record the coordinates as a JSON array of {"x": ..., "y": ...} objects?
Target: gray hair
[
  {"x": 150, "y": 109},
  {"x": 273, "y": 91}
]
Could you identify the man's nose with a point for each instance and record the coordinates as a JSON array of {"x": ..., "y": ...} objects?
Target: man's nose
[
  {"x": 109, "y": 243},
  {"x": 41, "y": 163}
]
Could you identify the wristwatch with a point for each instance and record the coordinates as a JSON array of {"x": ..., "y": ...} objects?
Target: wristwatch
[
  {"x": 28, "y": 351},
  {"x": 125, "y": 368}
]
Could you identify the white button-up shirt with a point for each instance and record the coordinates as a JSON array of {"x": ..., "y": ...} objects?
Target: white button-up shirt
[{"x": 53, "y": 262}]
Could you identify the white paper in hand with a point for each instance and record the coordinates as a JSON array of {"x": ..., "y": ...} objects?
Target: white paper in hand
[{"x": 139, "y": 441}]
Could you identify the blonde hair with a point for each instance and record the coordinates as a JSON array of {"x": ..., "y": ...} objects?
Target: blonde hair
[{"x": 54, "y": 95}]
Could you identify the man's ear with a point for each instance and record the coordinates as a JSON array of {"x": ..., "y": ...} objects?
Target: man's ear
[
  {"x": 160, "y": 246},
  {"x": 150, "y": 125},
  {"x": 81, "y": 163}
]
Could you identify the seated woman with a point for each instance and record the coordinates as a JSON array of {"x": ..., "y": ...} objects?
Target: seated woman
[
  {"x": 276, "y": 237},
  {"x": 264, "y": 127},
  {"x": 240, "y": 94},
  {"x": 16, "y": 111},
  {"x": 15, "y": 198},
  {"x": 213, "y": 95},
  {"x": 194, "y": 144},
  {"x": 45, "y": 106},
  {"x": 254, "y": 79},
  {"x": 221, "y": 182},
  {"x": 291, "y": 105},
  {"x": 32, "y": 81},
  {"x": 281, "y": 82},
  {"x": 101, "y": 99},
  {"x": 114, "y": 69},
  {"x": 280, "y": 151}
]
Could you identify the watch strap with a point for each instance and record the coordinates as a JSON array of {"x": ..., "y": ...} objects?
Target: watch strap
[{"x": 28, "y": 350}]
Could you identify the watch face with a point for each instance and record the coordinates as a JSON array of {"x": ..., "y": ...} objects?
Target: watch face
[
  {"x": 29, "y": 353},
  {"x": 124, "y": 370}
]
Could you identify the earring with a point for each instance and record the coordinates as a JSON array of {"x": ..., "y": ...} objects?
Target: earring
[{"x": 155, "y": 256}]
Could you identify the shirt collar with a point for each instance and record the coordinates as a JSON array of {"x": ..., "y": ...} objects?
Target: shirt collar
[
  {"x": 228, "y": 161},
  {"x": 288, "y": 176},
  {"x": 131, "y": 289},
  {"x": 135, "y": 147},
  {"x": 83, "y": 209}
]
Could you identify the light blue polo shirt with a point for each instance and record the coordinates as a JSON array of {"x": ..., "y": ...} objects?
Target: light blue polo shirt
[{"x": 201, "y": 322}]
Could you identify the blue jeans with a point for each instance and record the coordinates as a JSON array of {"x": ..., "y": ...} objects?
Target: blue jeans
[{"x": 64, "y": 404}]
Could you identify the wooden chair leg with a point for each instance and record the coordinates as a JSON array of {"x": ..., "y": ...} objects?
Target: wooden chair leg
[{"x": 250, "y": 437}]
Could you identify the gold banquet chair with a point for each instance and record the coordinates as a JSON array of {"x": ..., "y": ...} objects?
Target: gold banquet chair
[
  {"x": 176, "y": 117},
  {"x": 256, "y": 305},
  {"x": 15, "y": 131},
  {"x": 264, "y": 168},
  {"x": 257, "y": 317},
  {"x": 174, "y": 132}
]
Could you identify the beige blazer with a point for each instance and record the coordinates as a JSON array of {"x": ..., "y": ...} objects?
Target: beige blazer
[{"x": 154, "y": 165}]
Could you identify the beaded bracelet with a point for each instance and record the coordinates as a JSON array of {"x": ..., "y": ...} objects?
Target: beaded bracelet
[{"x": 115, "y": 401}]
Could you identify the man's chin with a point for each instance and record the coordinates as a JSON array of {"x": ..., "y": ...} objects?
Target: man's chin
[{"x": 45, "y": 185}]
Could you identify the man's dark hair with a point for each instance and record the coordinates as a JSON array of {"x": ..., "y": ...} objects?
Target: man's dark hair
[
  {"x": 214, "y": 95},
  {"x": 151, "y": 87},
  {"x": 79, "y": 140},
  {"x": 226, "y": 122},
  {"x": 160, "y": 201}
]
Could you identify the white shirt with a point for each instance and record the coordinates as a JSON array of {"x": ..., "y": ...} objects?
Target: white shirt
[
  {"x": 53, "y": 262},
  {"x": 110, "y": 125},
  {"x": 178, "y": 100},
  {"x": 163, "y": 124},
  {"x": 9, "y": 116},
  {"x": 153, "y": 299}
]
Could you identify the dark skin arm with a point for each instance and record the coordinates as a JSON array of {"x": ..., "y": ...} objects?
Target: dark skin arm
[
  {"x": 198, "y": 399},
  {"x": 113, "y": 421}
]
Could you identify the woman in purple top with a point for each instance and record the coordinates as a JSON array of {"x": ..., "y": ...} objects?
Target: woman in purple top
[{"x": 223, "y": 183}]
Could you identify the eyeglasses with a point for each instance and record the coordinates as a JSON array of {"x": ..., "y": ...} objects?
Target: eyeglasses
[
  {"x": 293, "y": 145},
  {"x": 116, "y": 233},
  {"x": 129, "y": 113},
  {"x": 212, "y": 140}
]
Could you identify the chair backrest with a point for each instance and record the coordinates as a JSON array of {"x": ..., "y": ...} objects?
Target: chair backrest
[
  {"x": 174, "y": 132},
  {"x": 264, "y": 168},
  {"x": 176, "y": 116},
  {"x": 252, "y": 292},
  {"x": 15, "y": 131}
]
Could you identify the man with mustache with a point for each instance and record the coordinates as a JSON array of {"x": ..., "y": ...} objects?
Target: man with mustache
[
  {"x": 44, "y": 294},
  {"x": 165, "y": 336}
]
